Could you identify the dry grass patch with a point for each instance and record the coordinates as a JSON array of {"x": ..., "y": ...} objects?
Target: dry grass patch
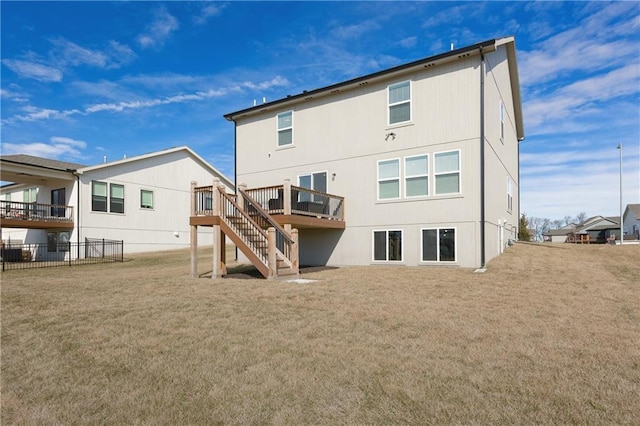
[{"x": 549, "y": 334}]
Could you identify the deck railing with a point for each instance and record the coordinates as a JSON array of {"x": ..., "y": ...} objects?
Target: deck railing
[
  {"x": 290, "y": 199},
  {"x": 35, "y": 211}
]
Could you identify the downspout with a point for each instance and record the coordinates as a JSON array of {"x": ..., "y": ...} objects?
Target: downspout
[{"x": 482, "y": 136}]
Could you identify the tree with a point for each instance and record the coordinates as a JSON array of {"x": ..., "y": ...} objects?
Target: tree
[
  {"x": 582, "y": 216},
  {"x": 523, "y": 230}
]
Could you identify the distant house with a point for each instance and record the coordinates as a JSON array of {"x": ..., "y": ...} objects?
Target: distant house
[
  {"x": 143, "y": 200},
  {"x": 596, "y": 229},
  {"x": 631, "y": 221},
  {"x": 422, "y": 159}
]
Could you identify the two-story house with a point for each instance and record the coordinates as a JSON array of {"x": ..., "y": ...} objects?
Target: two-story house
[
  {"x": 142, "y": 200},
  {"x": 423, "y": 158}
]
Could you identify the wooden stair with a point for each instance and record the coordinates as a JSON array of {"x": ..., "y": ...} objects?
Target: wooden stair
[{"x": 273, "y": 251}]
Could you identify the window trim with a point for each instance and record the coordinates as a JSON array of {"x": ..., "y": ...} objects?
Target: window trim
[
  {"x": 278, "y": 130},
  {"x": 438, "y": 229},
  {"x": 142, "y": 206},
  {"x": 436, "y": 174},
  {"x": 373, "y": 245},
  {"x": 409, "y": 101},
  {"x": 406, "y": 176},
  {"x": 398, "y": 178}
]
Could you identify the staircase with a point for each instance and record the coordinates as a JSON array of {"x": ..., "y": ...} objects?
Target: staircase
[{"x": 271, "y": 249}]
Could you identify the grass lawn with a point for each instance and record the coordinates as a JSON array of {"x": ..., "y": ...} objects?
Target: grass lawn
[{"x": 549, "y": 334}]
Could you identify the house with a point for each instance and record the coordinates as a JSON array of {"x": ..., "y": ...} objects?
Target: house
[
  {"x": 141, "y": 200},
  {"x": 413, "y": 165},
  {"x": 631, "y": 222},
  {"x": 596, "y": 229}
]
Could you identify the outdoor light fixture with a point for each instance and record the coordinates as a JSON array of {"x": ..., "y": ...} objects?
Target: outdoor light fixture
[
  {"x": 621, "y": 230},
  {"x": 390, "y": 135}
]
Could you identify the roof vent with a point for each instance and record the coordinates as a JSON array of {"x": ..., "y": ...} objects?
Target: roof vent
[{"x": 364, "y": 83}]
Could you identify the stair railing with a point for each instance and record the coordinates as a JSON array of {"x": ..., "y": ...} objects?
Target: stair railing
[
  {"x": 285, "y": 244},
  {"x": 244, "y": 226}
]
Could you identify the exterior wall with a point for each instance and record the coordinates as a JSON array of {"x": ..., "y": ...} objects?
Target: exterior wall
[
  {"x": 501, "y": 156},
  {"x": 345, "y": 136},
  {"x": 164, "y": 227}
]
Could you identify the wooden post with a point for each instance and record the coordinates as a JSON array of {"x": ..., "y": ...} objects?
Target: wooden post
[
  {"x": 273, "y": 262},
  {"x": 217, "y": 256},
  {"x": 240, "y": 197},
  {"x": 193, "y": 234},
  {"x": 294, "y": 252},
  {"x": 223, "y": 253},
  {"x": 287, "y": 197},
  {"x": 286, "y": 193}
]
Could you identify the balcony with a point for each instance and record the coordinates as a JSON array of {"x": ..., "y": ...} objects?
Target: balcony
[
  {"x": 287, "y": 204},
  {"x": 14, "y": 214}
]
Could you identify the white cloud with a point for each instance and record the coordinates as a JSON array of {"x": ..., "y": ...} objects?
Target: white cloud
[
  {"x": 34, "y": 70},
  {"x": 350, "y": 32},
  {"x": 73, "y": 54},
  {"x": 36, "y": 114},
  {"x": 59, "y": 147},
  {"x": 208, "y": 10},
  {"x": 408, "y": 42},
  {"x": 159, "y": 30}
]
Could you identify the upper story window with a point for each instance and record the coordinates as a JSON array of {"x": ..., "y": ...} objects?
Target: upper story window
[
  {"x": 116, "y": 198},
  {"x": 99, "y": 196},
  {"x": 100, "y": 199},
  {"x": 416, "y": 171},
  {"x": 146, "y": 199},
  {"x": 285, "y": 128},
  {"x": 389, "y": 179},
  {"x": 447, "y": 172},
  {"x": 30, "y": 195},
  {"x": 399, "y": 96}
]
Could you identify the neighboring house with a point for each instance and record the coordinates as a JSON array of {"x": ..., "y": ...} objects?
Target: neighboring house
[
  {"x": 596, "y": 229},
  {"x": 558, "y": 235},
  {"x": 631, "y": 221},
  {"x": 141, "y": 200},
  {"x": 423, "y": 158}
]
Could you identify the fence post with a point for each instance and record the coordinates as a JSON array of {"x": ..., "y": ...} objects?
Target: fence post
[
  {"x": 103, "y": 248},
  {"x": 240, "y": 198}
]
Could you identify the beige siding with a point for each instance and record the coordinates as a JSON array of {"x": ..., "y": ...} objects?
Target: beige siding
[{"x": 346, "y": 134}]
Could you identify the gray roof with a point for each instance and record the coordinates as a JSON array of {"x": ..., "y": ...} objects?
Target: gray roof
[{"x": 45, "y": 163}]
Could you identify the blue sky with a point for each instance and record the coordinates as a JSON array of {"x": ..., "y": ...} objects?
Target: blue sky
[{"x": 84, "y": 80}]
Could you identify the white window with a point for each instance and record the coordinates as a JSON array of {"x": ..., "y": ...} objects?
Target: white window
[
  {"x": 285, "y": 128},
  {"x": 416, "y": 176},
  {"x": 146, "y": 199},
  {"x": 116, "y": 204},
  {"x": 389, "y": 179},
  {"x": 30, "y": 195},
  {"x": 387, "y": 246},
  {"x": 447, "y": 172},
  {"x": 509, "y": 195},
  {"x": 439, "y": 245},
  {"x": 98, "y": 196},
  {"x": 501, "y": 122},
  {"x": 399, "y": 96}
]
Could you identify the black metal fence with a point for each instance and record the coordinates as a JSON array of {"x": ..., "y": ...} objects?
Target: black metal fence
[{"x": 91, "y": 251}]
